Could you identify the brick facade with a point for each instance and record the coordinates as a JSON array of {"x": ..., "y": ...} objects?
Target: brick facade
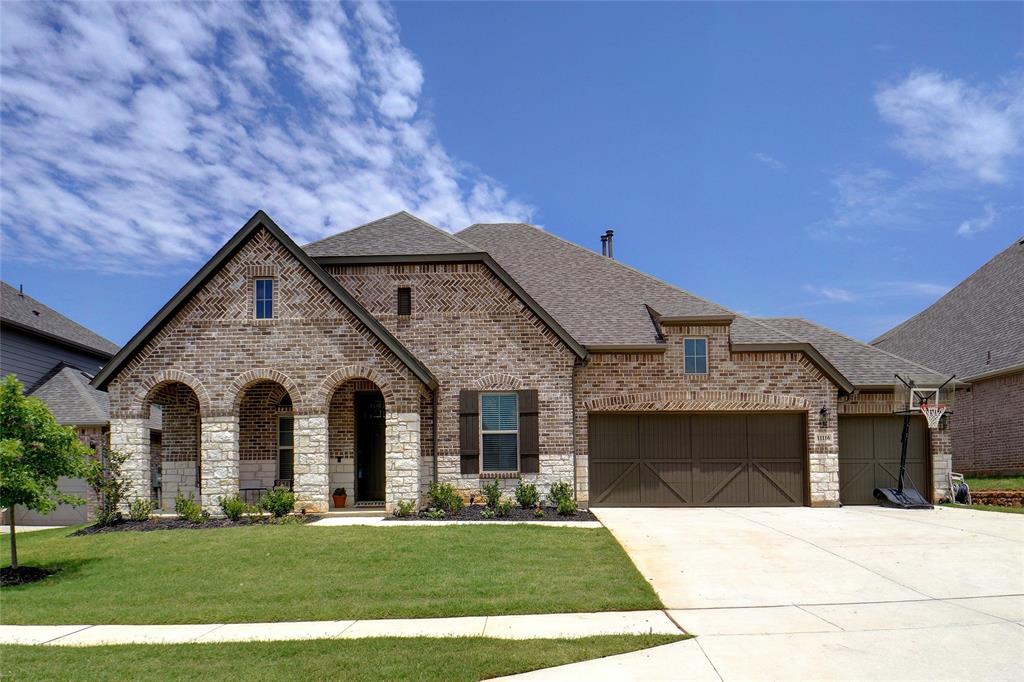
[{"x": 988, "y": 429}]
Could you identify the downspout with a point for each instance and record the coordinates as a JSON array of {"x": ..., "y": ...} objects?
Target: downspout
[{"x": 433, "y": 434}]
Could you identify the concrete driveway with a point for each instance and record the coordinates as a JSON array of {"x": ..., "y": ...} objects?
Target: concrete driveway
[{"x": 855, "y": 593}]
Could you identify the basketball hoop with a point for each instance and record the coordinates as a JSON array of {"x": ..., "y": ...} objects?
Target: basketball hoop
[{"x": 933, "y": 413}]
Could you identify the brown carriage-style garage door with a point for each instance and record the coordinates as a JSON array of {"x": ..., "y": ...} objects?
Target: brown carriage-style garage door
[
  {"x": 869, "y": 456},
  {"x": 681, "y": 460}
]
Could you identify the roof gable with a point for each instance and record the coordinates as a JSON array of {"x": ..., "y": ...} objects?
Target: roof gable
[
  {"x": 71, "y": 399},
  {"x": 27, "y": 313},
  {"x": 259, "y": 220},
  {"x": 399, "y": 234},
  {"x": 977, "y": 328},
  {"x": 599, "y": 300}
]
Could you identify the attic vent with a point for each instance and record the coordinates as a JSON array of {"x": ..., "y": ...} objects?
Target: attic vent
[{"x": 404, "y": 301}]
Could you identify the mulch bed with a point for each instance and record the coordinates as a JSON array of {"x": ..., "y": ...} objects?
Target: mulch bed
[
  {"x": 180, "y": 524},
  {"x": 22, "y": 575},
  {"x": 475, "y": 513}
]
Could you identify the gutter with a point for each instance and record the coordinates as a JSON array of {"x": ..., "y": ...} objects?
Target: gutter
[
  {"x": 807, "y": 349},
  {"x": 995, "y": 373},
  {"x": 627, "y": 348}
]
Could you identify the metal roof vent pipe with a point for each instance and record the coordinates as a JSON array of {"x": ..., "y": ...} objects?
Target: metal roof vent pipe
[
  {"x": 604, "y": 244},
  {"x": 609, "y": 235}
]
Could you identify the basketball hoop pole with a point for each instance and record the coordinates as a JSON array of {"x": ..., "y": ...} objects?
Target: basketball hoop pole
[{"x": 903, "y": 450}]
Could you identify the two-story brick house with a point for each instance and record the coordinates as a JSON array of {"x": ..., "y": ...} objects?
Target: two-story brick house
[{"x": 395, "y": 354}]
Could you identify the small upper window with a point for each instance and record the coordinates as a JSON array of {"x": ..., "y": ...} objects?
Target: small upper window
[
  {"x": 264, "y": 299},
  {"x": 499, "y": 431},
  {"x": 696, "y": 356},
  {"x": 404, "y": 301}
]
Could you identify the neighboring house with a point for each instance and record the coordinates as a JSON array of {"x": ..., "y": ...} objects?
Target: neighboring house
[
  {"x": 976, "y": 331},
  {"x": 395, "y": 354},
  {"x": 56, "y": 358}
]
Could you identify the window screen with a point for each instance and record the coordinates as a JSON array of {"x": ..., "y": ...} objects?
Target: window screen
[
  {"x": 499, "y": 431},
  {"x": 696, "y": 356}
]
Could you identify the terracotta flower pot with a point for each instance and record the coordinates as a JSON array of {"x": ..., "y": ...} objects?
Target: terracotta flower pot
[{"x": 339, "y": 500}]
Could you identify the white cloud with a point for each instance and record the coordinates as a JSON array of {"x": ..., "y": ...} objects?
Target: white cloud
[
  {"x": 971, "y": 227},
  {"x": 875, "y": 291},
  {"x": 831, "y": 294},
  {"x": 137, "y": 137},
  {"x": 944, "y": 121},
  {"x": 770, "y": 161}
]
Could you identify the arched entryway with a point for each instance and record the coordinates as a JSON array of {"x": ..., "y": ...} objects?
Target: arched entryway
[
  {"x": 356, "y": 442},
  {"x": 266, "y": 439},
  {"x": 174, "y": 458}
]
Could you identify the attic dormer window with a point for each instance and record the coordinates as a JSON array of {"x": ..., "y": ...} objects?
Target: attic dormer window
[{"x": 264, "y": 299}]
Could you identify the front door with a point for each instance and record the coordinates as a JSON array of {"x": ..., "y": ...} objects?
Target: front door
[{"x": 369, "y": 446}]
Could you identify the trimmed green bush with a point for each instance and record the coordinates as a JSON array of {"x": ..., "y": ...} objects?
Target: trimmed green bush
[
  {"x": 233, "y": 507},
  {"x": 567, "y": 506},
  {"x": 405, "y": 508},
  {"x": 492, "y": 494},
  {"x": 188, "y": 509},
  {"x": 445, "y": 496},
  {"x": 526, "y": 495},
  {"x": 140, "y": 509},
  {"x": 560, "y": 491},
  {"x": 278, "y": 502},
  {"x": 504, "y": 507}
]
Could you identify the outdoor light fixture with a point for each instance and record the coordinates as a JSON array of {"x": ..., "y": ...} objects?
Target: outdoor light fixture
[{"x": 823, "y": 417}]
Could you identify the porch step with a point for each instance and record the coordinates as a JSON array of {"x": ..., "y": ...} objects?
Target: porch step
[{"x": 354, "y": 511}]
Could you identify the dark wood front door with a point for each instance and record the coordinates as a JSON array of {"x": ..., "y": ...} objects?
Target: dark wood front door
[
  {"x": 869, "y": 456},
  {"x": 369, "y": 446},
  {"x": 697, "y": 460}
]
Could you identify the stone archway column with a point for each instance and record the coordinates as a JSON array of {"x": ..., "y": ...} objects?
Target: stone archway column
[
  {"x": 823, "y": 457},
  {"x": 401, "y": 458},
  {"x": 311, "y": 483},
  {"x": 131, "y": 437},
  {"x": 218, "y": 451},
  {"x": 941, "y": 445}
]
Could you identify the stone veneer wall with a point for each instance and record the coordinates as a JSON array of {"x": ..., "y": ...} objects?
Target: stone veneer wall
[
  {"x": 179, "y": 442},
  {"x": 258, "y": 414},
  {"x": 734, "y": 382},
  {"x": 214, "y": 345},
  {"x": 988, "y": 427},
  {"x": 473, "y": 333}
]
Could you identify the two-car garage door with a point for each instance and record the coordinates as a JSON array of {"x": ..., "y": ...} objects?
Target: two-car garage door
[{"x": 677, "y": 459}]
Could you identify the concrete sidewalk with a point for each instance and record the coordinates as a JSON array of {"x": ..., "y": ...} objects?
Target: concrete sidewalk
[
  {"x": 385, "y": 522},
  {"x": 540, "y": 626}
]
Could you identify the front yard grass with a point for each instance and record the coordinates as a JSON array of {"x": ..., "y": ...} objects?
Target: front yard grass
[
  {"x": 289, "y": 573},
  {"x": 354, "y": 660},
  {"x": 987, "y": 507},
  {"x": 995, "y": 482}
]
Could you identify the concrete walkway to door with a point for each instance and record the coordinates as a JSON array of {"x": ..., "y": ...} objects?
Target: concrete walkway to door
[{"x": 853, "y": 593}]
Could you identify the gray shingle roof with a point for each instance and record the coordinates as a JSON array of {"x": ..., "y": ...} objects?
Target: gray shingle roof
[
  {"x": 23, "y": 310},
  {"x": 862, "y": 364},
  {"x": 598, "y": 300},
  {"x": 981, "y": 315},
  {"x": 401, "y": 234},
  {"x": 72, "y": 400}
]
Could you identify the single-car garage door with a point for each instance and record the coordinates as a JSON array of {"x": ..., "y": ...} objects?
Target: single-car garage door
[
  {"x": 869, "y": 456},
  {"x": 63, "y": 515},
  {"x": 682, "y": 460}
]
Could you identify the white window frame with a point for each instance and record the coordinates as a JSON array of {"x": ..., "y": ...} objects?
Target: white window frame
[
  {"x": 256, "y": 299},
  {"x": 280, "y": 448},
  {"x": 480, "y": 408},
  {"x": 707, "y": 360}
]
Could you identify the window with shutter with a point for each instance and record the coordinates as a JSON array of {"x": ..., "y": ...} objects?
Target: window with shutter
[
  {"x": 469, "y": 432},
  {"x": 285, "y": 447},
  {"x": 499, "y": 431}
]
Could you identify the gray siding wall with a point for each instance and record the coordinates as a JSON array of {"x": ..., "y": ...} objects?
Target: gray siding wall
[{"x": 30, "y": 357}]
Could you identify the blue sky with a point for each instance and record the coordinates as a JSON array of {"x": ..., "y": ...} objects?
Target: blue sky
[{"x": 846, "y": 163}]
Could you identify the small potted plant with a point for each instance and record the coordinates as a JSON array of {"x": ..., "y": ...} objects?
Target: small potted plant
[{"x": 340, "y": 497}]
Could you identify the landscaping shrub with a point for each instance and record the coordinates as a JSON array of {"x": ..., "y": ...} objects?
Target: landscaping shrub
[
  {"x": 140, "y": 509},
  {"x": 233, "y": 507},
  {"x": 492, "y": 494},
  {"x": 445, "y": 496},
  {"x": 405, "y": 508},
  {"x": 188, "y": 509},
  {"x": 487, "y": 513},
  {"x": 567, "y": 506},
  {"x": 504, "y": 507},
  {"x": 278, "y": 502},
  {"x": 435, "y": 514},
  {"x": 526, "y": 495},
  {"x": 110, "y": 486},
  {"x": 560, "y": 491}
]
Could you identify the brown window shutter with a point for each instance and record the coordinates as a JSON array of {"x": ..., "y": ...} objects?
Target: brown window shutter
[
  {"x": 469, "y": 432},
  {"x": 529, "y": 436}
]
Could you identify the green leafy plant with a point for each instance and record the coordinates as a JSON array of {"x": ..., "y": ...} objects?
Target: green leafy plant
[
  {"x": 340, "y": 492},
  {"x": 445, "y": 496},
  {"x": 504, "y": 507},
  {"x": 405, "y": 508},
  {"x": 487, "y": 513},
  {"x": 34, "y": 452},
  {"x": 140, "y": 509},
  {"x": 288, "y": 520},
  {"x": 492, "y": 494},
  {"x": 110, "y": 486},
  {"x": 526, "y": 495},
  {"x": 253, "y": 512},
  {"x": 567, "y": 506},
  {"x": 278, "y": 502},
  {"x": 560, "y": 491},
  {"x": 233, "y": 507},
  {"x": 435, "y": 513},
  {"x": 188, "y": 509},
  {"x": 538, "y": 513}
]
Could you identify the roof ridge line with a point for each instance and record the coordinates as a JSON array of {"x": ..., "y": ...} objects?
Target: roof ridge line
[
  {"x": 774, "y": 329},
  {"x": 612, "y": 260}
]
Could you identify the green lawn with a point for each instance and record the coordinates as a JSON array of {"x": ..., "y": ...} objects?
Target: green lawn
[
  {"x": 996, "y": 482},
  {"x": 353, "y": 660},
  {"x": 282, "y": 573},
  {"x": 988, "y": 507}
]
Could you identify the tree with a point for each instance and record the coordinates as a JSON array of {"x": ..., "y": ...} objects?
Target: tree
[{"x": 34, "y": 452}]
